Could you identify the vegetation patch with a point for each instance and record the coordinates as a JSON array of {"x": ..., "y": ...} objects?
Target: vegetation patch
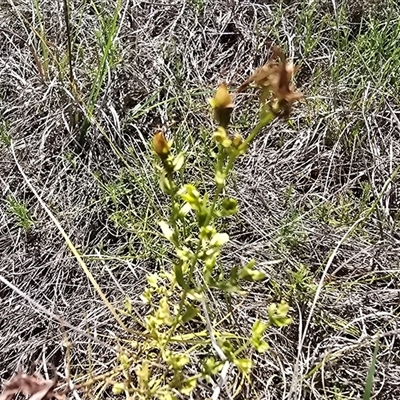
[{"x": 199, "y": 199}]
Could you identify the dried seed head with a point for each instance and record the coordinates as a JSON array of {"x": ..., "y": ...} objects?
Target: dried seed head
[{"x": 275, "y": 81}]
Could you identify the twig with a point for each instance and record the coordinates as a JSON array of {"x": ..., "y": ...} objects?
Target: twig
[{"x": 218, "y": 350}]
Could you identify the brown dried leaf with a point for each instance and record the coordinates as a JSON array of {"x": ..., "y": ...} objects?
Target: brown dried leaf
[
  {"x": 34, "y": 387},
  {"x": 275, "y": 77}
]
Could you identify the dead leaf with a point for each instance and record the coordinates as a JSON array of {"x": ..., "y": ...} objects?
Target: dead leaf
[
  {"x": 33, "y": 387},
  {"x": 275, "y": 79}
]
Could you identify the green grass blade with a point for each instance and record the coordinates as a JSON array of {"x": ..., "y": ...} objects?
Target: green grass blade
[{"x": 370, "y": 377}]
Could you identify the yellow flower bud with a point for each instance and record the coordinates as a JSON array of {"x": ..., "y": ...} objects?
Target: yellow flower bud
[
  {"x": 222, "y": 98},
  {"x": 223, "y": 105},
  {"x": 161, "y": 146}
]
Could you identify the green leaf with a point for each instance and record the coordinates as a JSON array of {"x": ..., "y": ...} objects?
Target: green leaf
[
  {"x": 166, "y": 230},
  {"x": 209, "y": 265},
  {"x": 128, "y": 305},
  {"x": 179, "y": 277},
  {"x": 195, "y": 294},
  {"x": 165, "y": 184},
  {"x": 124, "y": 360},
  {"x": 370, "y": 377},
  {"x": 152, "y": 280},
  {"x": 278, "y": 314},
  {"x": 207, "y": 232},
  {"x": 249, "y": 274},
  {"x": 146, "y": 295},
  {"x": 191, "y": 195},
  {"x": 178, "y": 162},
  {"x": 202, "y": 215},
  {"x": 142, "y": 374},
  {"x": 175, "y": 360},
  {"x": 221, "y": 137},
  {"x": 261, "y": 346},
  {"x": 253, "y": 276},
  {"x": 226, "y": 286},
  {"x": 256, "y": 336},
  {"x": 211, "y": 367},
  {"x": 190, "y": 313},
  {"x": 166, "y": 396},
  {"x": 258, "y": 329},
  {"x": 234, "y": 274},
  {"x": 184, "y": 254},
  {"x": 163, "y": 314},
  {"x": 244, "y": 365},
  {"x": 188, "y": 386},
  {"x": 226, "y": 347}
]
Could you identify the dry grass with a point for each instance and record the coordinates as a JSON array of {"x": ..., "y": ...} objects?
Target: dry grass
[{"x": 319, "y": 195}]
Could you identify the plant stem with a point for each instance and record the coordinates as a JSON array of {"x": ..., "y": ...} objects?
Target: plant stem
[{"x": 264, "y": 122}]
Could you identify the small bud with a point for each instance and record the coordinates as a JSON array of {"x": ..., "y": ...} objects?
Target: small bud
[
  {"x": 221, "y": 137},
  {"x": 118, "y": 388},
  {"x": 229, "y": 207},
  {"x": 223, "y": 105},
  {"x": 237, "y": 141},
  {"x": 161, "y": 146},
  {"x": 124, "y": 360},
  {"x": 219, "y": 239},
  {"x": 220, "y": 178}
]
